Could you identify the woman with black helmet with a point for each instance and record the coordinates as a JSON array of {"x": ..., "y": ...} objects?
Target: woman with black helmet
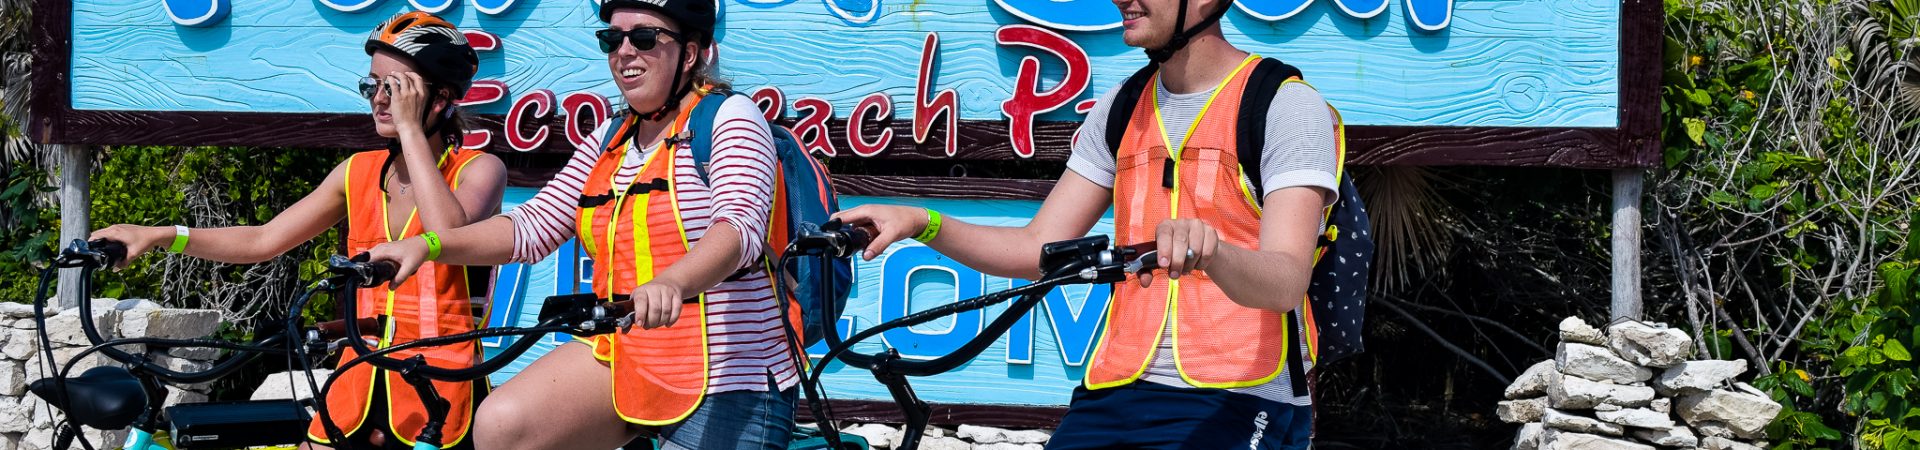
[
  {"x": 422, "y": 182},
  {"x": 706, "y": 364}
]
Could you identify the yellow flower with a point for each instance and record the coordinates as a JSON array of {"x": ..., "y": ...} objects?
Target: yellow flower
[
  {"x": 1694, "y": 60},
  {"x": 1801, "y": 373},
  {"x": 1746, "y": 93}
]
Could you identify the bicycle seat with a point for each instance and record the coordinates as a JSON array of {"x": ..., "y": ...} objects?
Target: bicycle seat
[{"x": 105, "y": 397}]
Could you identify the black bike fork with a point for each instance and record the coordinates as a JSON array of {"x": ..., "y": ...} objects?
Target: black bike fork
[
  {"x": 436, "y": 406},
  {"x": 917, "y": 411}
]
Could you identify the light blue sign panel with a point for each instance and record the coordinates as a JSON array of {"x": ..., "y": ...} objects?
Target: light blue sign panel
[
  {"x": 1038, "y": 362},
  {"x": 1531, "y": 63}
]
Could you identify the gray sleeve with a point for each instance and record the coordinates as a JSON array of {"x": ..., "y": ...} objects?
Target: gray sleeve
[
  {"x": 1301, "y": 143},
  {"x": 1091, "y": 158}
]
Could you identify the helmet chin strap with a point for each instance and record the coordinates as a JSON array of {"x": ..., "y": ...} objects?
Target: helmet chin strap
[
  {"x": 673, "y": 96},
  {"x": 1182, "y": 34}
]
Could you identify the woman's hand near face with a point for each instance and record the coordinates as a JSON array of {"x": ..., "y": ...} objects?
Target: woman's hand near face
[{"x": 407, "y": 97}]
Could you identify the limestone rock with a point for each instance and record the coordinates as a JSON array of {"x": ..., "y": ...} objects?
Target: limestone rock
[
  {"x": 1598, "y": 364},
  {"x": 13, "y": 378},
  {"x": 15, "y": 415},
  {"x": 293, "y": 385},
  {"x": 1008, "y": 446},
  {"x": 1712, "y": 428},
  {"x": 169, "y": 323},
  {"x": 1649, "y": 345},
  {"x": 1746, "y": 414},
  {"x": 943, "y": 443},
  {"x": 1561, "y": 420},
  {"x": 877, "y": 435},
  {"x": 1720, "y": 443},
  {"x": 1570, "y": 392},
  {"x": 10, "y": 310},
  {"x": 1532, "y": 382},
  {"x": 991, "y": 435},
  {"x": 20, "y": 344},
  {"x": 1522, "y": 411},
  {"x": 1693, "y": 377},
  {"x": 1678, "y": 436},
  {"x": 1663, "y": 405},
  {"x": 1575, "y": 330},
  {"x": 1529, "y": 436},
  {"x": 1560, "y": 440},
  {"x": 1636, "y": 417}
]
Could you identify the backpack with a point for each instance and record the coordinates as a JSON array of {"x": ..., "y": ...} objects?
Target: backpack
[
  {"x": 802, "y": 194},
  {"x": 1337, "y": 297}
]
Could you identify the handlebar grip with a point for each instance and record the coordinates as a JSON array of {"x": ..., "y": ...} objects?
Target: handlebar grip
[
  {"x": 112, "y": 251},
  {"x": 381, "y": 272}
]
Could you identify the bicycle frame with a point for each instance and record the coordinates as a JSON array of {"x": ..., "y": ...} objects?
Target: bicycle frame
[
  {"x": 1088, "y": 260},
  {"x": 579, "y": 318}
]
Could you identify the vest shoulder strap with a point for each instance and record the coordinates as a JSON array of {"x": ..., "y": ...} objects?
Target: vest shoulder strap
[{"x": 1250, "y": 140}]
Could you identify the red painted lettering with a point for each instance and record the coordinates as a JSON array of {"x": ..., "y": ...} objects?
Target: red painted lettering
[
  {"x": 541, "y": 104},
  {"x": 1028, "y": 100},
  {"x": 880, "y": 106},
  {"x": 944, "y": 104}
]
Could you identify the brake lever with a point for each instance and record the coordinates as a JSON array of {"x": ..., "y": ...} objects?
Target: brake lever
[{"x": 1146, "y": 262}]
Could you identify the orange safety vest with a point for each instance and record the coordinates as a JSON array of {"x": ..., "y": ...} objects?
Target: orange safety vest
[
  {"x": 1216, "y": 343},
  {"x": 435, "y": 302},
  {"x": 632, "y": 233}
]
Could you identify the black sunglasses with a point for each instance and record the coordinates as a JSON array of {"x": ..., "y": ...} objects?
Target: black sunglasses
[{"x": 642, "y": 38}]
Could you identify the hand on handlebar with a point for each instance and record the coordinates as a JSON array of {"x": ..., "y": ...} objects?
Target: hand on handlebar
[
  {"x": 655, "y": 304},
  {"x": 1183, "y": 246},
  {"x": 886, "y": 223},
  {"x": 407, "y": 253},
  {"x": 138, "y": 239}
]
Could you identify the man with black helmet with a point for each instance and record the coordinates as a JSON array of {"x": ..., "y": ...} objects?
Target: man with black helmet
[
  {"x": 705, "y": 364},
  {"x": 1197, "y": 354}
]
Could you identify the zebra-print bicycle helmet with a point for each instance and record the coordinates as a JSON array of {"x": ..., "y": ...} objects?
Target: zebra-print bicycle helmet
[{"x": 434, "y": 45}]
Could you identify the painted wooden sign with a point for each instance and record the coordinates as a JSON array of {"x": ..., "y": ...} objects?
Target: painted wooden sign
[
  {"x": 1037, "y": 363},
  {"x": 1540, "y": 82}
]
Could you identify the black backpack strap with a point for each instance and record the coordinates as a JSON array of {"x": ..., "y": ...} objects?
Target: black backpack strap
[
  {"x": 1250, "y": 143},
  {"x": 1255, "y": 100},
  {"x": 1120, "y": 113}
]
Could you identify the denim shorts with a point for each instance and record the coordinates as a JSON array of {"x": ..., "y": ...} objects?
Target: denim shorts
[{"x": 737, "y": 420}]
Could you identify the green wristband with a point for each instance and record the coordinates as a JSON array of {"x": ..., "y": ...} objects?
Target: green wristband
[
  {"x": 433, "y": 245},
  {"x": 933, "y": 227},
  {"x": 179, "y": 239}
]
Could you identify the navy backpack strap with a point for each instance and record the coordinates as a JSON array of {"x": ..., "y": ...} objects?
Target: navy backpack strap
[
  {"x": 1120, "y": 113},
  {"x": 700, "y": 123}
]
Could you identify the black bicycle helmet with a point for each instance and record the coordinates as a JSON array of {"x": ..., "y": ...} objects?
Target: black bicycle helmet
[
  {"x": 695, "y": 17},
  {"x": 436, "y": 46}
]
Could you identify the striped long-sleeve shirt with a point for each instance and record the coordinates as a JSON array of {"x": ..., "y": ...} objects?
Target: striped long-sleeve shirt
[{"x": 745, "y": 337}]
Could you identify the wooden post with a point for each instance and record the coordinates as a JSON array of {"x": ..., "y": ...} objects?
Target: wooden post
[
  {"x": 1626, "y": 244},
  {"x": 76, "y": 164}
]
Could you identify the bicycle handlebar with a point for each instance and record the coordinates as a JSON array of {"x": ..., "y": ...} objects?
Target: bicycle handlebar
[{"x": 90, "y": 256}]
